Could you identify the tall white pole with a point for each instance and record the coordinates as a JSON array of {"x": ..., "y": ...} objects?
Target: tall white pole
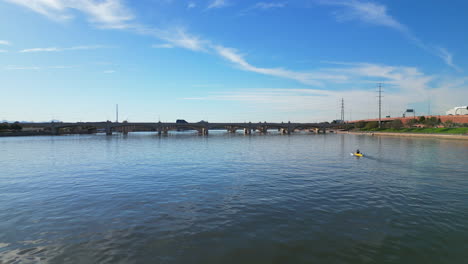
[{"x": 117, "y": 113}]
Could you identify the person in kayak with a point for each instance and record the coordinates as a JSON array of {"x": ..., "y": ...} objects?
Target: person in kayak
[{"x": 358, "y": 152}]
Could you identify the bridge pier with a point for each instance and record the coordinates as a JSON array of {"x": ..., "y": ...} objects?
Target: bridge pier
[
  {"x": 319, "y": 130},
  {"x": 108, "y": 128},
  {"x": 203, "y": 131},
  {"x": 247, "y": 131},
  {"x": 285, "y": 131},
  {"x": 263, "y": 129},
  {"x": 55, "y": 131}
]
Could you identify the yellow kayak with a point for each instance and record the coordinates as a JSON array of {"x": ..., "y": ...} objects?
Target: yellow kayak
[{"x": 358, "y": 154}]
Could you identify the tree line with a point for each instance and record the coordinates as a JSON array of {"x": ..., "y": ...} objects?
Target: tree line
[
  {"x": 8, "y": 127},
  {"x": 398, "y": 124}
]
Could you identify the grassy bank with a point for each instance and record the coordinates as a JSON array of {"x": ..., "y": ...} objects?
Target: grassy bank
[{"x": 427, "y": 130}]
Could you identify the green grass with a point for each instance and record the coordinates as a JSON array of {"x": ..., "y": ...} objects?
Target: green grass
[{"x": 425, "y": 130}]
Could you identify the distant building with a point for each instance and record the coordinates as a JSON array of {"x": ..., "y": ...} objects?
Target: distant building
[{"x": 459, "y": 110}]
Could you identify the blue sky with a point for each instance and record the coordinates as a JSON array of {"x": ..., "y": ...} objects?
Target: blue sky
[{"x": 226, "y": 60}]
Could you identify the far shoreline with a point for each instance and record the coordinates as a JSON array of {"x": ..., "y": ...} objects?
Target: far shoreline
[{"x": 406, "y": 134}]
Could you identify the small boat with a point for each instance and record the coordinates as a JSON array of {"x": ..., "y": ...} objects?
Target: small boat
[{"x": 357, "y": 154}]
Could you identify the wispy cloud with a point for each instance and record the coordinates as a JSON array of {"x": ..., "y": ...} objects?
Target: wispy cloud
[
  {"x": 448, "y": 58},
  {"x": 4, "y": 42},
  {"x": 268, "y": 5},
  {"x": 191, "y": 5},
  {"x": 368, "y": 12},
  {"x": 3, "y": 51},
  {"x": 110, "y": 14},
  {"x": 109, "y": 71},
  {"x": 61, "y": 67},
  {"x": 218, "y": 3},
  {"x": 309, "y": 78},
  {"x": 376, "y": 14},
  {"x": 55, "y": 49},
  {"x": 105, "y": 13},
  {"x": 177, "y": 37},
  {"x": 163, "y": 46},
  {"x": 40, "y": 50},
  {"x": 12, "y": 67},
  {"x": 36, "y": 68},
  {"x": 208, "y": 85},
  {"x": 263, "y": 6},
  {"x": 404, "y": 86}
]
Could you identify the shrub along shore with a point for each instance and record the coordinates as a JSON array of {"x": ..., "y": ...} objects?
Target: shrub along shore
[{"x": 422, "y": 130}]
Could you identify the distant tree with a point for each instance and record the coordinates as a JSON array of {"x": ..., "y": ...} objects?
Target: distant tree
[
  {"x": 4, "y": 126},
  {"x": 372, "y": 125},
  {"x": 449, "y": 123},
  {"x": 411, "y": 122},
  {"x": 360, "y": 124},
  {"x": 16, "y": 126},
  {"x": 431, "y": 122},
  {"x": 422, "y": 119},
  {"x": 396, "y": 124}
]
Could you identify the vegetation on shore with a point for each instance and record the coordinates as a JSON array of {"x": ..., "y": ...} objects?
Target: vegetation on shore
[
  {"x": 422, "y": 125},
  {"x": 4, "y": 127},
  {"x": 425, "y": 130}
]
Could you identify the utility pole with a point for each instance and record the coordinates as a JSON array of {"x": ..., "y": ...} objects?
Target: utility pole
[
  {"x": 380, "y": 105},
  {"x": 342, "y": 110},
  {"x": 429, "y": 106},
  {"x": 117, "y": 113}
]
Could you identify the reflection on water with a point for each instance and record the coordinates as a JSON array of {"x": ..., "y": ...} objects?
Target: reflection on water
[{"x": 232, "y": 199}]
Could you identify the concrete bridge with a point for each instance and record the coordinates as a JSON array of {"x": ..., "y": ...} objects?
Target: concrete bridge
[{"x": 109, "y": 127}]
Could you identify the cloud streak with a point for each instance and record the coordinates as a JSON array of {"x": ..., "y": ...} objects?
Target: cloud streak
[
  {"x": 268, "y": 5},
  {"x": 376, "y": 14},
  {"x": 113, "y": 17},
  {"x": 191, "y": 5},
  {"x": 448, "y": 58},
  {"x": 105, "y": 14},
  {"x": 367, "y": 12},
  {"x": 405, "y": 86},
  {"x": 4, "y": 42},
  {"x": 218, "y": 4},
  {"x": 36, "y": 68},
  {"x": 55, "y": 49},
  {"x": 308, "y": 78},
  {"x": 163, "y": 46}
]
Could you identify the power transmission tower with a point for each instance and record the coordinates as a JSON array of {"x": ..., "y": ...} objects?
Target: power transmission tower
[
  {"x": 429, "y": 106},
  {"x": 342, "y": 110}
]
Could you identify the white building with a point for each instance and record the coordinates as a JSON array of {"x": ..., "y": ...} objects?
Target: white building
[{"x": 459, "y": 110}]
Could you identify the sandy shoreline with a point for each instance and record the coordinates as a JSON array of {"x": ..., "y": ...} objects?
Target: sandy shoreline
[{"x": 395, "y": 134}]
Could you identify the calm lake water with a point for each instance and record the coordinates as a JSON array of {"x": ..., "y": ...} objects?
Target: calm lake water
[{"x": 233, "y": 199}]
